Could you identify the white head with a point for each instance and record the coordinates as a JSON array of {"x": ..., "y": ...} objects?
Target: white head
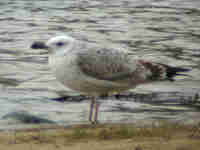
[{"x": 58, "y": 45}]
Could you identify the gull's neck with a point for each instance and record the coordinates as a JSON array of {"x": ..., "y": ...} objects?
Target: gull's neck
[{"x": 57, "y": 59}]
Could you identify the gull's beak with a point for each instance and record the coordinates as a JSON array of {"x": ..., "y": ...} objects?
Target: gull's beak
[{"x": 39, "y": 45}]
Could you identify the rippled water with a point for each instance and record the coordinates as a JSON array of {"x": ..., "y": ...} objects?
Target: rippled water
[{"x": 163, "y": 30}]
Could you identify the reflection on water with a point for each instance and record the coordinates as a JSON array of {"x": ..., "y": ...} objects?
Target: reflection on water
[{"x": 163, "y": 31}]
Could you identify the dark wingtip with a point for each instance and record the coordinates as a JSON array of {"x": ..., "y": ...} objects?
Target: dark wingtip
[
  {"x": 38, "y": 45},
  {"x": 175, "y": 71}
]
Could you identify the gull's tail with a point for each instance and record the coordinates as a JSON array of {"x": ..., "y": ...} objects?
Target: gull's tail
[
  {"x": 161, "y": 71},
  {"x": 172, "y": 72}
]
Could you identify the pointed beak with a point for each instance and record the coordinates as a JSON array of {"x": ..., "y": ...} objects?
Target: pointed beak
[{"x": 39, "y": 45}]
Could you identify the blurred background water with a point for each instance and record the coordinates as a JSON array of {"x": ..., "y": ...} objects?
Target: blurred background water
[{"x": 166, "y": 31}]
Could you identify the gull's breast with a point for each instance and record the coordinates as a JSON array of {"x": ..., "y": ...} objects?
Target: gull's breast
[{"x": 69, "y": 74}]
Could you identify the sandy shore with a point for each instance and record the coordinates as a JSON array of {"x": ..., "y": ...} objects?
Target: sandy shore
[{"x": 104, "y": 137}]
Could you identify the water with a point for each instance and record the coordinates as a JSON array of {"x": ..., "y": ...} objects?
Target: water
[{"x": 163, "y": 30}]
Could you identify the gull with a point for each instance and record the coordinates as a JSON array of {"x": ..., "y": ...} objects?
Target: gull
[{"x": 99, "y": 70}]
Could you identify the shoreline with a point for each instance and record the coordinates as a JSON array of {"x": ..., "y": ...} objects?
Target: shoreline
[{"x": 104, "y": 136}]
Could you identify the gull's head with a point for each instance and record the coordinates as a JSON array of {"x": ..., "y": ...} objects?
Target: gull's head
[{"x": 56, "y": 45}]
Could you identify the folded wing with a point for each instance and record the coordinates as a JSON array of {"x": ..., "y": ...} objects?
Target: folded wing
[{"x": 107, "y": 64}]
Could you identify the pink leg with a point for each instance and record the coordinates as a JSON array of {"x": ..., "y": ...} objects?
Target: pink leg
[
  {"x": 91, "y": 109},
  {"x": 96, "y": 112}
]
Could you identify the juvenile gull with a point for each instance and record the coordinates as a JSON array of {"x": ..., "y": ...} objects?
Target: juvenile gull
[{"x": 94, "y": 70}]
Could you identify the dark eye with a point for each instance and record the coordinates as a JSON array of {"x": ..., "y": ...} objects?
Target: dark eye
[{"x": 59, "y": 44}]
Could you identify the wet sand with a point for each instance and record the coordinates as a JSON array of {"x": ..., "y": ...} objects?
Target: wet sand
[{"x": 105, "y": 136}]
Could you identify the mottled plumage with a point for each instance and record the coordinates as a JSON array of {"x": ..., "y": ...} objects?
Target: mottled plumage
[
  {"x": 105, "y": 64},
  {"x": 96, "y": 70}
]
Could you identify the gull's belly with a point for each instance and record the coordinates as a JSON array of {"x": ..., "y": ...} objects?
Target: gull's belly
[
  {"x": 76, "y": 80},
  {"x": 69, "y": 74}
]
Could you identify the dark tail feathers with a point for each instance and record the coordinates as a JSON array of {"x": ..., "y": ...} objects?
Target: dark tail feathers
[{"x": 174, "y": 71}]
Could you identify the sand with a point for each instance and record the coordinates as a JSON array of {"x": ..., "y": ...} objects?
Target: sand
[{"x": 103, "y": 137}]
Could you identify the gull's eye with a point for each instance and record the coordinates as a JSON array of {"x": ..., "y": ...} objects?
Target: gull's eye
[{"x": 59, "y": 44}]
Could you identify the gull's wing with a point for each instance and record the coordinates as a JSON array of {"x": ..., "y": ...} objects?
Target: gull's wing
[
  {"x": 124, "y": 67},
  {"x": 107, "y": 64}
]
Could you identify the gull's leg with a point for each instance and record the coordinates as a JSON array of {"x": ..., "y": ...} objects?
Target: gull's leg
[
  {"x": 96, "y": 112},
  {"x": 91, "y": 109}
]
